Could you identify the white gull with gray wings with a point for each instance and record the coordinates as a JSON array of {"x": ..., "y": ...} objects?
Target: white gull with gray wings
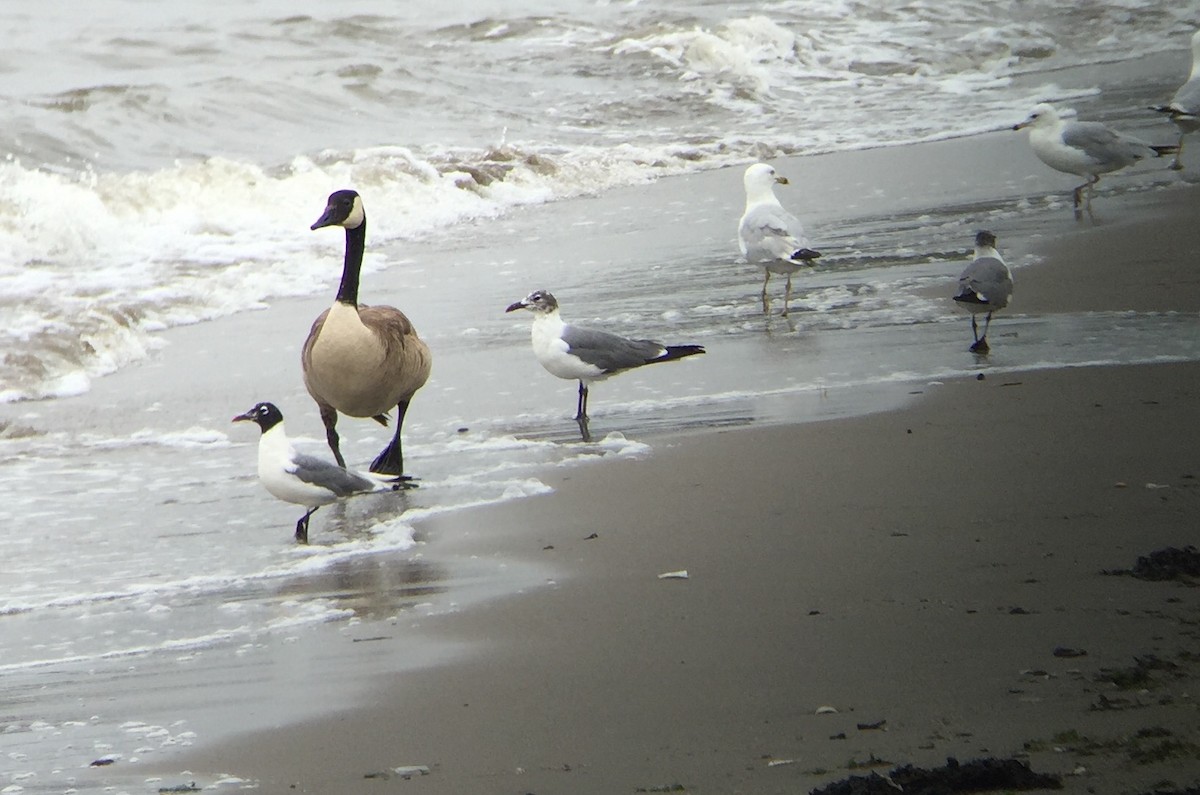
[
  {"x": 299, "y": 478},
  {"x": 984, "y": 287},
  {"x": 1184, "y": 107},
  {"x": 1086, "y": 148},
  {"x": 587, "y": 355},
  {"x": 770, "y": 236}
]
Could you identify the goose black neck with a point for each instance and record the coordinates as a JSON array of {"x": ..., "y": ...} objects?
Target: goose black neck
[{"x": 355, "y": 244}]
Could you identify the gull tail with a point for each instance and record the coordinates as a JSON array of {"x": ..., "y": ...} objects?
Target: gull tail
[
  {"x": 1173, "y": 111},
  {"x": 805, "y": 254},
  {"x": 971, "y": 298},
  {"x": 1163, "y": 151},
  {"x": 672, "y": 352}
]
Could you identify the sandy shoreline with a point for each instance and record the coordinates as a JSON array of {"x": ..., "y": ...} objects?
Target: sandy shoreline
[
  {"x": 917, "y": 567},
  {"x": 886, "y": 585}
]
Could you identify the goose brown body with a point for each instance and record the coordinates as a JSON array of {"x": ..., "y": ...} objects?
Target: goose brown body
[{"x": 362, "y": 360}]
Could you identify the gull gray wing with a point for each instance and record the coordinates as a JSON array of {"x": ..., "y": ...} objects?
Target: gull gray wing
[
  {"x": 609, "y": 352},
  {"x": 1102, "y": 144},
  {"x": 770, "y": 232},
  {"x": 989, "y": 279},
  {"x": 327, "y": 475}
]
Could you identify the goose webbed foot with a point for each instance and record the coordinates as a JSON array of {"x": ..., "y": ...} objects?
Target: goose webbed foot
[{"x": 403, "y": 482}]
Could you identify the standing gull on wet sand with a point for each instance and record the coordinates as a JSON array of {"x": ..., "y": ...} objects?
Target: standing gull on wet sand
[
  {"x": 769, "y": 235},
  {"x": 985, "y": 286},
  {"x": 298, "y": 478},
  {"x": 361, "y": 360},
  {"x": 1086, "y": 148},
  {"x": 1184, "y": 107},
  {"x": 588, "y": 355}
]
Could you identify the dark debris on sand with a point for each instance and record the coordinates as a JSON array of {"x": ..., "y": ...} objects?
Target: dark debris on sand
[
  {"x": 1169, "y": 563},
  {"x": 977, "y": 775}
]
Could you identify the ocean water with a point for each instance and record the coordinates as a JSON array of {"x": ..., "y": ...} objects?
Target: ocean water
[{"x": 160, "y": 172}]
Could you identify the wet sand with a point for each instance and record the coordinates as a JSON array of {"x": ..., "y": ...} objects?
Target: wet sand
[{"x": 913, "y": 570}]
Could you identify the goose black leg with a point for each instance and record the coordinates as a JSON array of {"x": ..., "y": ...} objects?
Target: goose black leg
[
  {"x": 391, "y": 460},
  {"x": 329, "y": 418}
]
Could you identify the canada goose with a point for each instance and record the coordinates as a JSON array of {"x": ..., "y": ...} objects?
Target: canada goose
[
  {"x": 1184, "y": 107},
  {"x": 1086, "y": 148},
  {"x": 361, "y": 360},
  {"x": 985, "y": 286},
  {"x": 769, "y": 235},
  {"x": 588, "y": 355},
  {"x": 298, "y": 478}
]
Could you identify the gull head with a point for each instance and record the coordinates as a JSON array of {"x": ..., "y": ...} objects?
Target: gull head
[
  {"x": 761, "y": 179},
  {"x": 985, "y": 239},
  {"x": 343, "y": 208},
  {"x": 1044, "y": 115},
  {"x": 266, "y": 415},
  {"x": 539, "y": 302}
]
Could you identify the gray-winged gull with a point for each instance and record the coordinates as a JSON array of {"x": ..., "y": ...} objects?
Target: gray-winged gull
[
  {"x": 1086, "y": 148},
  {"x": 299, "y": 478},
  {"x": 769, "y": 235},
  {"x": 1184, "y": 107},
  {"x": 588, "y": 355},
  {"x": 985, "y": 286}
]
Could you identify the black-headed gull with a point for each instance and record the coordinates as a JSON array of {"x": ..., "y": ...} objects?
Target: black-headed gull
[
  {"x": 588, "y": 355},
  {"x": 299, "y": 478},
  {"x": 770, "y": 236},
  {"x": 984, "y": 287}
]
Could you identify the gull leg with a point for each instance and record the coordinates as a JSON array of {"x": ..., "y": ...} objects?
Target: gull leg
[
  {"x": 302, "y": 526},
  {"x": 581, "y": 406},
  {"x": 981, "y": 343},
  {"x": 787, "y": 295},
  {"x": 1176, "y": 165},
  {"x": 1090, "y": 189},
  {"x": 581, "y": 416},
  {"x": 766, "y": 302}
]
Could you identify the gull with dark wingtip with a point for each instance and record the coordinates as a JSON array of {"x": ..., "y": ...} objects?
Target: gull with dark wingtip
[
  {"x": 1184, "y": 107},
  {"x": 770, "y": 236},
  {"x": 588, "y": 355},
  {"x": 984, "y": 287},
  {"x": 299, "y": 478},
  {"x": 1086, "y": 148}
]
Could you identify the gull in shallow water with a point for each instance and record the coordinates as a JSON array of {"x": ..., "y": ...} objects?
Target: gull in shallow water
[
  {"x": 1184, "y": 107},
  {"x": 985, "y": 286},
  {"x": 588, "y": 355},
  {"x": 1086, "y": 148},
  {"x": 769, "y": 235},
  {"x": 298, "y": 478}
]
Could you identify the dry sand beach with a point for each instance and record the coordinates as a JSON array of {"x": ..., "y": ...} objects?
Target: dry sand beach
[{"x": 933, "y": 574}]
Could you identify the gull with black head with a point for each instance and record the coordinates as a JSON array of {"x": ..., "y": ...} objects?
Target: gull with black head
[
  {"x": 588, "y": 355},
  {"x": 299, "y": 478}
]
